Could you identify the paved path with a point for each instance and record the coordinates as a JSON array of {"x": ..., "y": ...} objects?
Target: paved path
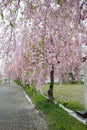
[{"x": 16, "y": 111}]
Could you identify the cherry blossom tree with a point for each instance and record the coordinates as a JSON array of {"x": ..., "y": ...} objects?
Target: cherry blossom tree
[{"x": 46, "y": 37}]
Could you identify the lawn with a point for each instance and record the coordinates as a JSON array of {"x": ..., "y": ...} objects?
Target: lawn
[
  {"x": 70, "y": 95},
  {"x": 56, "y": 117}
]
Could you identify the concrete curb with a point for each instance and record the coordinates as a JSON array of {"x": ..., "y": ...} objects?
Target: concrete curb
[
  {"x": 70, "y": 112},
  {"x": 28, "y": 98}
]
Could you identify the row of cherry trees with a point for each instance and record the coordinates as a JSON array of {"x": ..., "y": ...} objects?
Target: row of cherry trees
[{"x": 42, "y": 38}]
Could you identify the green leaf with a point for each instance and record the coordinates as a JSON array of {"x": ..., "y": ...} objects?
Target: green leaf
[
  {"x": 22, "y": 13},
  {"x": 27, "y": 73},
  {"x": 10, "y": 3},
  {"x": 33, "y": 46},
  {"x": 54, "y": 33},
  {"x": 58, "y": 1},
  {"x": 2, "y": 16},
  {"x": 40, "y": 43},
  {"x": 11, "y": 24},
  {"x": 34, "y": 7},
  {"x": 11, "y": 12}
]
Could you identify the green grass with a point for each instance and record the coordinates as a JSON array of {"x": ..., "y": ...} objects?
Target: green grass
[
  {"x": 57, "y": 118},
  {"x": 70, "y": 95},
  {"x": 0, "y": 81}
]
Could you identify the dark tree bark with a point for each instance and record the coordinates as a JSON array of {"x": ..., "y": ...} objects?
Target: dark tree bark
[
  {"x": 9, "y": 80},
  {"x": 50, "y": 91}
]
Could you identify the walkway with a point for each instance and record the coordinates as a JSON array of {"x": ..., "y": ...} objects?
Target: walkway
[{"x": 16, "y": 111}]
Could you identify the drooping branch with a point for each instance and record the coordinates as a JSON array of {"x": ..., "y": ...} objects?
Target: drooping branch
[
  {"x": 83, "y": 3},
  {"x": 81, "y": 8},
  {"x": 18, "y": 2}
]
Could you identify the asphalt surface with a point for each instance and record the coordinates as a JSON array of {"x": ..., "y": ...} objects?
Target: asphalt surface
[{"x": 16, "y": 111}]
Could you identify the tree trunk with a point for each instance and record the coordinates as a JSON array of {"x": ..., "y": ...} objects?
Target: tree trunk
[
  {"x": 9, "y": 80},
  {"x": 50, "y": 91}
]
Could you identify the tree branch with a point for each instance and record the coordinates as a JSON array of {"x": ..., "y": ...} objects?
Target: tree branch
[{"x": 81, "y": 7}]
